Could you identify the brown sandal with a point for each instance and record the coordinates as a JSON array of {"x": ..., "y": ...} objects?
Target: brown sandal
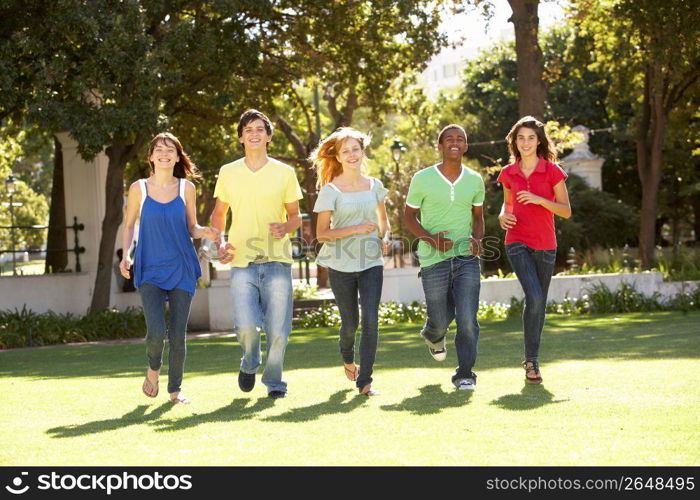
[
  {"x": 352, "y": 373},
  {"x": 532, "y": 367}
]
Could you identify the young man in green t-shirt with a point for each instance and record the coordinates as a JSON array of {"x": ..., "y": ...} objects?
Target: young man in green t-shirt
[{"x": 448, "y": 198}]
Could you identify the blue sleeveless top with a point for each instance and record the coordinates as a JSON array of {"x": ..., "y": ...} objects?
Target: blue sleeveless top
[{"x": 165, "y": 256}]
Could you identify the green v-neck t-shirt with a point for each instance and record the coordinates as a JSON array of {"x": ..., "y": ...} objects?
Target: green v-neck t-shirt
[{"x": 445, "y": 206}]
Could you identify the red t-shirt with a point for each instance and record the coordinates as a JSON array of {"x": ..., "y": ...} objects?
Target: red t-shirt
[{"x": 535, "y": 225}]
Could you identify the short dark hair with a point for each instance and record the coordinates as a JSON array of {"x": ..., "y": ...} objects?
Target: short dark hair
[
  {"x": 250, "y": 115},
  {"x": 451, "y": 126}
]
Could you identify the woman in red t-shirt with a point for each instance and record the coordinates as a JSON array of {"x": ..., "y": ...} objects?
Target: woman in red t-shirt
[{"x": 533, "y": 192}]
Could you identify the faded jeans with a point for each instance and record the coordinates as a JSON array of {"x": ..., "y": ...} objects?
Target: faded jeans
[
  {"x": 534, "y": 269},
  {"x": 262, "y": 301}
]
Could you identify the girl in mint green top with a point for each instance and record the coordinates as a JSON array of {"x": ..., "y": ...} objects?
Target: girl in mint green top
[
  {"x": 359, "y": 251},
  {"x": 351, "y": 218}
]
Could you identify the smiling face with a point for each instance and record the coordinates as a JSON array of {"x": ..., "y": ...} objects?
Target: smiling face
[
  {"x": 350, "y": 154},
  {"x": 526, "y": 141},
  {"x": 254, "y": 136},
  {"x": 453, "y": 144},
  {"x": 164, "y": 155}
]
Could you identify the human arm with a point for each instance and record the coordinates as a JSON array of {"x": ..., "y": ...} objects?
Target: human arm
[
  {"x": 505, "y": 219},
  {"x": 477, "y": 229},
  {"x": 133, "y": 204},
  {"x": 437, "y": 240},
  {"x": 384, "y": 226},
  {"x": 196, "y": 231},
  {"x": 560, "y": 206},
  {"x": 218, "y": 221},
  {"x": 279, "y": 229},
  {"x": 325, "y": 234}
]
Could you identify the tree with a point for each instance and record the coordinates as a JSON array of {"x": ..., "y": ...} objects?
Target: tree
[
  {"x": 532, "y": 92},
  {"x": 112, "y": 74},
  {"x": 650, "y": 48}
]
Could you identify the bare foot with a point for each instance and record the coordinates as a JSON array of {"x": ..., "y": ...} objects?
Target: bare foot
[
  {"x": 150, "y": 384},
  {"x": 368, "y": 391}
]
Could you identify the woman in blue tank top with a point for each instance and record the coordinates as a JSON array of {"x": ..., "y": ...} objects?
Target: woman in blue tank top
[{"x": 166, "y": 267}]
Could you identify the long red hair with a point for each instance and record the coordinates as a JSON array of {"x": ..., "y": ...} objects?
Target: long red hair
[{"x": 324, "y": 157}]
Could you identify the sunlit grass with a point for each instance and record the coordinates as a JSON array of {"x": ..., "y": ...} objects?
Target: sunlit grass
[{"x": 618, "y": 390}]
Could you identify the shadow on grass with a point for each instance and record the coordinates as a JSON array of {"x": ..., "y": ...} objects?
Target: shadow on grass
[
  {"x": 530, "y": 398},
  {"x": 634, "y": 336},
  {"x": 137, "y": 416},
  {"x": 236, "y": 410},
  {"x": 432, "y": 399},
  {"x": 336, "y": 404}
]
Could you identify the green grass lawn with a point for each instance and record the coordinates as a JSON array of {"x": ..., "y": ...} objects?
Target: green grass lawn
[{"x": 618, "y": 390}]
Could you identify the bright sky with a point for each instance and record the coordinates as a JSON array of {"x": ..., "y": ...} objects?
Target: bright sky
[{"x": 479, "y": 33}]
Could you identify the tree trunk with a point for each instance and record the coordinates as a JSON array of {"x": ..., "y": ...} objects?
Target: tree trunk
[
  {"x": 650, "y": 160},
  {"x": 57, "y": 261},
  {"x": 119, "y": 155},
  {"x": 532, "y": 92}
]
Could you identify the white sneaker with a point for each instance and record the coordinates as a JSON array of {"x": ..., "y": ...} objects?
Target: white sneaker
[{"x": 438, "y": 350}]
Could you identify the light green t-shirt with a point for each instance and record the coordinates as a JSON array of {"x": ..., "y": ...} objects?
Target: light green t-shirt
[
  {"x": 359, "y": 251},
  {"x": 445, "y": 206}
]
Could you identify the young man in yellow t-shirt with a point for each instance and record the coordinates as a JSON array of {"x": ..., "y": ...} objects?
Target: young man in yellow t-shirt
[{"x": 263, "y": 195}]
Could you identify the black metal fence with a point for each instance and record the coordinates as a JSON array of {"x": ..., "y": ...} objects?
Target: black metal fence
[{"x": 77, "y": 249}]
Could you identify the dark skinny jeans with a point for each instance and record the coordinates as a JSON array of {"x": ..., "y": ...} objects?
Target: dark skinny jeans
[
  {"x": 346, "y": 288},
  {"x": 534, "y": 269},
  {"x": 153, "y": 300}
]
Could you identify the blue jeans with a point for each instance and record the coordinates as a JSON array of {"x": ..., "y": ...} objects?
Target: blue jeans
[
  {"x": 262, "y": 301},
  {"x": 346, "y": 287},
  {"x": 452, "y": 292},
  {"x": 534, "y": 270},
  {"x": 153, "y": 300}
]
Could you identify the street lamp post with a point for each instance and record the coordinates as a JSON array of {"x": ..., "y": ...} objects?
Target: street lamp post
[
  {"x": 10, "y": 185},
  {"x": 397, "y": 150}
]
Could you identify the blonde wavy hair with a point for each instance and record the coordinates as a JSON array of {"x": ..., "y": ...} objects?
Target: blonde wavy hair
[{"x": 324, "y": 157}]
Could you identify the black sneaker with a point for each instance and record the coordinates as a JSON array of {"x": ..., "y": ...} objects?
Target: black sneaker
[
  {"x": 276, "y": 394},
  {"x": 246, "y": 381},
  {"x": 467, "y": 383}
]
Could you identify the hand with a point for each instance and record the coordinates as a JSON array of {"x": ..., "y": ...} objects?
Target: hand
[
  {"x": 507, "y": 221},
  {"x": 526, "y": 197},
  {"x": 387, "y": 244},
  {"x": 278, "y": 229},
  {"x": 366, "y": 228},
  {"x": 226, "y": 253},
  {"x": 440, "y": 242},
  {"x": 213, "y": 234},
  {"x": 124, "y": 268},
  {"x": 475, "y": 247}
]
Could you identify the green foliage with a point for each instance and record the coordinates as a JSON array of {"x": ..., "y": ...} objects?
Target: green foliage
[
  {"x": 52, "y": 328},
  {"x": 305, "y": 291},
  {"x": 34, "y": 209},
  {"x": 599, "y": 299}
]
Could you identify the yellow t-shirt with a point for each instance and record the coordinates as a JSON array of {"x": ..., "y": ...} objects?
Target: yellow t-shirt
[{"x": 257, "y": 199}]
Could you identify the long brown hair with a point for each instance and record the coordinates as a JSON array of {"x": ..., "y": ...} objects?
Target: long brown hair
[
  {"x": 324, "y": 157},
  {"x": 545, "y": 148},
  {"x": 184, "y": 168}
]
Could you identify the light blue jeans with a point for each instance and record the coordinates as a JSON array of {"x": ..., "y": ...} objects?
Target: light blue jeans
[{"x": 262, "y": 301}]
